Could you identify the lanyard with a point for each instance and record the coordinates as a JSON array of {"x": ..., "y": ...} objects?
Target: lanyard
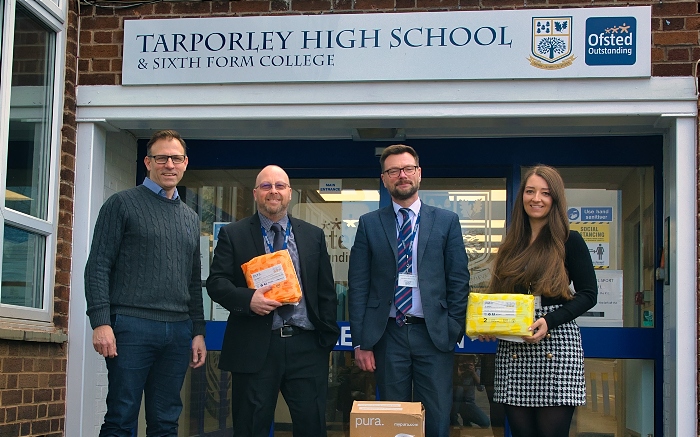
[
  {"x": 287, "y": 233},
  {"x": 414, "y": 231}
]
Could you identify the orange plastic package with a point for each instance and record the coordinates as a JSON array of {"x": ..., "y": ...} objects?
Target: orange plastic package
[{"x": 274, "y": 268}]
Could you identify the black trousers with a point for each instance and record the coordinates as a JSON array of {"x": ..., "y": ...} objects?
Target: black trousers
[{"x": 298, "y": 367}]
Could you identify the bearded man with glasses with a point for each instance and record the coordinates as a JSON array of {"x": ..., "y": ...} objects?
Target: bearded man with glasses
[
  {"x": 408, "y": 285},
  {"x": 144, "y": 294}
]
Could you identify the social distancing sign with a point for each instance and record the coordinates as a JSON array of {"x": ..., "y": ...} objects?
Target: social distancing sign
[{"x": 597, "y": 238}]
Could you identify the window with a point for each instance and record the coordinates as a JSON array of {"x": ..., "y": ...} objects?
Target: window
[{"x": 29, "y": 145}]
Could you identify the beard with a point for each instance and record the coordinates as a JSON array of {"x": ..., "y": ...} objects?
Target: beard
[
  {"x": 404, "y": 193},
  {"x": 272, "y": 210}
]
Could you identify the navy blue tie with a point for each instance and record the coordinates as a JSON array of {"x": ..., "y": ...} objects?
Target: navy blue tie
[
  {"x": 402, "y": 295},
  {"x": 285, "y": 311}
]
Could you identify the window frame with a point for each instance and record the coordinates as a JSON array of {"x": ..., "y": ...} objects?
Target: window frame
[{"x": 52, "y": 16}]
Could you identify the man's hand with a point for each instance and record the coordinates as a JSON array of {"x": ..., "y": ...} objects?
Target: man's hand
[
  {"x": 104, "y": 342},
  {"x": 261, "y": 305},
  {"x": 199, "y": 352},
  {"x": 365, "y": 360}
]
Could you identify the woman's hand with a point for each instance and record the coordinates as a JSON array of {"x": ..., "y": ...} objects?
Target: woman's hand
[
  {"x": 540, "y": 331},
  {"x": 485, "y": 337}
]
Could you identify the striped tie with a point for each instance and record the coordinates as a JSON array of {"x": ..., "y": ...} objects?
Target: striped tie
[{"x": 402, "y": 296}]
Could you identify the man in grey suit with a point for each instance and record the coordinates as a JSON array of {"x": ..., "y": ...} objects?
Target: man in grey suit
[{"x": 408, "y": 289}]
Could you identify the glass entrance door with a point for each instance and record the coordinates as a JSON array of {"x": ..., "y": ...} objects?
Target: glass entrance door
[{"x": 612, "y": 191}]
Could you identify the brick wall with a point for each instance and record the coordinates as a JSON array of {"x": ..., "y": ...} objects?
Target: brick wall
[
  {"x": 32, "y": 388},
  {"x": 675, "y": 25}
]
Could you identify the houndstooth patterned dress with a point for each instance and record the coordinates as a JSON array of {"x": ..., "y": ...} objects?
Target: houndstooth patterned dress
[{"x": 549, "y": 373}]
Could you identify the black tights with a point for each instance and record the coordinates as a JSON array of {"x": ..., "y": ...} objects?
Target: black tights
[{"x": 539, "y": 422}]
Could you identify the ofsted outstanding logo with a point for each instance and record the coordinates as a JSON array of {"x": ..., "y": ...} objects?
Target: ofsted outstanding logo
[{"x": 611, "y": 41}]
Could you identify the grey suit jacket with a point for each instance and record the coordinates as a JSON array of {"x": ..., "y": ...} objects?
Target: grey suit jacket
[{"x": 443, "y": 276}]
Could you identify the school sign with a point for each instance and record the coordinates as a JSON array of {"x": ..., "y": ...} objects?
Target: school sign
[{"x": 518, "y": 44}]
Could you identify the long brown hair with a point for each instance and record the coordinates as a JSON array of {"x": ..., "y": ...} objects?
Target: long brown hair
[{"x": 537, "y": 267}]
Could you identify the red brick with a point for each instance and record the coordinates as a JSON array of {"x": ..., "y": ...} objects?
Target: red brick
[
  {"x": 682, "y": 54},
  {"x": 437, "y": 4},
  {"x": 102, "y": 37},
  {"x": 61, "y": 307},
  {"x": 101, "y": 65},
  {"x": 220, "y": 7},
  {"x": 673, "y": 23},
  {"x": 61, "y": 321},
  {"x": 310, "y": 5},
  {"x": 26, "y": 412},
  {"x": 56, "y": 409},
  {"x": 163, "y": 8},
  {"x": 668, "y": 9},
  {"x": 68, "y": 175},
  {"x": 12, "y": 381},
  {"x": 657, "y": 54},
  {"x": 28, "y": 380},
  {"x": 10, "y": 415},
  {"x": 405, "y": 4},
  {"x": 41, "y": 426},
  {"x": 512, "y": 4},
  {"x": 373, "y": 4},
  {"x": 10, "y": 397},
  {"x": 12, "y": 365},
  {"x": 137, "y": 12},
  {"x": 249, "y": 6},
  {"x": 671, "y": 69},
  {"x": 57, "y": 380},
  {"x": 99, "y": 51},
  {"x": 97, "y": 79},
  {"x": 192, "y": 8},
  {"x": 43, "y": 395},
  {"x": 692, "y": 23},
  {"x": 100, "y": 23},
  {"x": 10, "y": 429},
  {"x": 675, "y": 38},
  {"x": 85, "y": 37}
]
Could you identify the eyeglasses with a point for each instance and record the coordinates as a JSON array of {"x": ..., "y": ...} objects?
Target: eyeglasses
[
  {"x": 266, "y": 186},
  {"x": 162, "y": 159},
  {"x": 409, "y": 170}
]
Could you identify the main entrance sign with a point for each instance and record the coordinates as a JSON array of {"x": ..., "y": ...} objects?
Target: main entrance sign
[{"x": 522, "y": 44}]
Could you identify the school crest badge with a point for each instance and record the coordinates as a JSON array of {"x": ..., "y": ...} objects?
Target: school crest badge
[{"x": 551, "y": 42}]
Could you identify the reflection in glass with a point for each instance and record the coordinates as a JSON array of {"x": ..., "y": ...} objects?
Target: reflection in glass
[
  {"x": 613, "y": 210},
  {"x": 22, "y": 268},
  {"x": 620, "y": 396},
  {"x": 31, "y": 103},
  {"x": 480, "y": 204}
]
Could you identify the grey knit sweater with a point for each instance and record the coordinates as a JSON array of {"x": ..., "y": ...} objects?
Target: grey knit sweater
[{"x": 145, "y": 261}]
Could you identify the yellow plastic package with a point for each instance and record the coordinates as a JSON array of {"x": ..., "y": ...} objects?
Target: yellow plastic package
[
  {"x": 506, "y": 316},
  {"x": 274, "y": 268}
]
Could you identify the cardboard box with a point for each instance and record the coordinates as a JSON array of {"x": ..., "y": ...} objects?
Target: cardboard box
[{"x": 387, "y": 419}]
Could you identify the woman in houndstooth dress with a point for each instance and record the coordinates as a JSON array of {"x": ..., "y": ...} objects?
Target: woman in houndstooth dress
[{"x": 541, "y": 380}]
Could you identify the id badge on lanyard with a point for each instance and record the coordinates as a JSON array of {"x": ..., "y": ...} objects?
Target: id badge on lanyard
[{"x": 408, "y": 280}]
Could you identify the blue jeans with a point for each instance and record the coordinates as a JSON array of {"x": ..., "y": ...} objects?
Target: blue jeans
[{"x": 152, "y": 359}]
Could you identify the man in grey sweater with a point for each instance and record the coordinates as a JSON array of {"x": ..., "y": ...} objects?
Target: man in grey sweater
[{"x": 144, "y": 294}]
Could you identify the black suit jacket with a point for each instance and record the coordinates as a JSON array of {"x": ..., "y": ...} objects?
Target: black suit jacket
[{"x": 247, "y": 336}]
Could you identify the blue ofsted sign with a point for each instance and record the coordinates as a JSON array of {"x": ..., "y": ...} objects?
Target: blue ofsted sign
[{"x": 611, "y": 41}]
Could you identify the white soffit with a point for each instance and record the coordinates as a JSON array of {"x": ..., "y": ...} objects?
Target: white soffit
[{"x": 422, "y": 109}]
